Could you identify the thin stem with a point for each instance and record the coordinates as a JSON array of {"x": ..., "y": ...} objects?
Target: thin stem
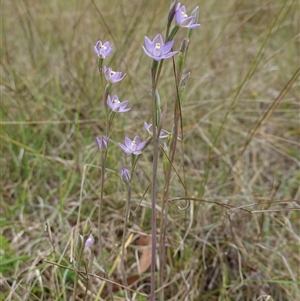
[
  {"x": 154, "y": 179},
  {"x": 165, "y": 206},
  {"x": 102, "y": 179},
  {"x": 103, "y": 167},
  {"x": 157, "y": 78},
  {"x": 128, "y": 295}
]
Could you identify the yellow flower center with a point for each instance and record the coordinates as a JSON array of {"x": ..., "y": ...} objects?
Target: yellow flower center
[
  {"x": 133, "y": 145},
  {"x": 112, "y": 72},
  {"x": 116, "y": 101},
  {"x": 157, "y": 45},
  {"x": 103, "y": 47},
  {"x": 184, "y": 14}
]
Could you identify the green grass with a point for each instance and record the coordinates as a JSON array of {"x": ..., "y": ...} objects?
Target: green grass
[{"x": 241, "y": 147}]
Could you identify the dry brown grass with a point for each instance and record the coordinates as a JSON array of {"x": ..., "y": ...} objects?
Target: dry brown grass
[{"x": 237, "y": 238}]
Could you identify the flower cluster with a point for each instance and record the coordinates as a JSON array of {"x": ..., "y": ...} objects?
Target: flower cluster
[{"x": 158, "y": 49}]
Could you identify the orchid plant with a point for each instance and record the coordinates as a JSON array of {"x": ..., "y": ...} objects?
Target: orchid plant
[{"x": 159, "y": 49}]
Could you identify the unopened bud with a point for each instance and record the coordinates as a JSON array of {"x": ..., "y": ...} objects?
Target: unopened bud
[
  {"x": 90, "y": 241},
  {"x": 125, "y": 175},
  {"x": 184, "y": 81},
  {"x": 174, "y": 6},
  {"x": 184, "y": 45},
  {"x": 102, "y": 143},
  {"x": 195, "y": 14},
  {"x": 182, "y": 54}
]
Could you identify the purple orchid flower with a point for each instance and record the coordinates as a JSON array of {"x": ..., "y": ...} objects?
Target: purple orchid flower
[
  {"x": 112, "y": 76},
  {"x": 157, "y": 49},
  {"x": 115, "y": 104},
  {"x": 125, "y": 175},
  {"x": 148, "y": 127},
  {"x": 102, "y": 143},
  {"x": 90, "y": 241},
  {"x": 103, "y": 50},
  {"x": 183, "y": 20},
  {"x": 133, "y": 147}
]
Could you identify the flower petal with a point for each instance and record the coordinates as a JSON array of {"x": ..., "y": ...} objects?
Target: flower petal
[
  {"x": 137, "y": 152},
  {"x": 122, "y": 107},
  {"x": 149, "y": 45},
  {"x": 195, "y": 11},
  {"x": 158, "y": 39},
  {"x": 151, "y": 55},
  {"x": 167, "y": 47},
  {"x": 170, "y": 54},
  {"x": 127, "y": 142},
  {"x": 137, "y": 140},
  {"x": 125, "y": 149},
  {"x": 148, "y": 127}
]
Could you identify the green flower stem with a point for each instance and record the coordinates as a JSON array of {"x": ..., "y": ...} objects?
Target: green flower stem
[
  {"x": 110, "y": 120},
  {"x": 100, "y": 63},
  {"x": 158, "y": 73},
  {"x": 157, "y": 108},
  {"x": 173, "y": 33}
]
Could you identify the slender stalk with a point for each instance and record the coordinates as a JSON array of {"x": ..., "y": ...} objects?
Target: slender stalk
[
  {"x": 127, "y": 292},
  {"x": 103, "y": 163},
  {"x": 154, "y": 178},
  {"x": 164, "y": 220},
  {"x": 102, "y": 179},
  {"x": 103, "y": 167},
  {"x": 153, "y": 221},
  {"x": 177, "y": 117},
  {"x": 127, "y": 211}
]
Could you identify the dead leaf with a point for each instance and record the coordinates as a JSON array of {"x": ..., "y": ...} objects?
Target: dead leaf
[
  {"x": 144, "y": 247},
  {"x": 144, "y": 243}
]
